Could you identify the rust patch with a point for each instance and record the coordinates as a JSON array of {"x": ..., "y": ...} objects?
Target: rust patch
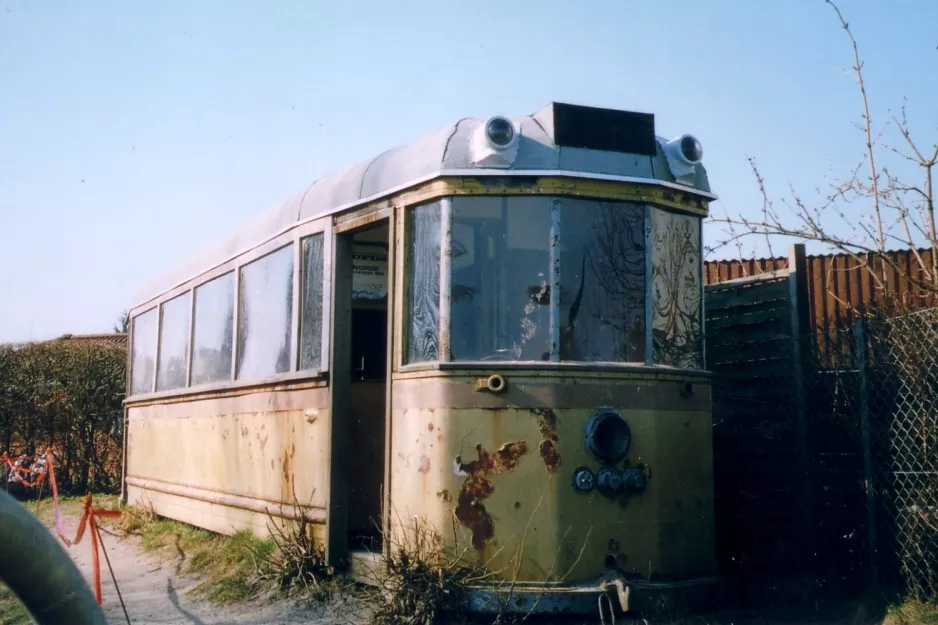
[
  {"x": 478, "y": 487},
  {"x": 445, "y": 495},
  {"x": 424, "y": 465},
  {"x": 263, "y": 442},
  {"x": 286, "y": 466},
  {"x": 550, "y": 455},
  {"x": 547, "y": 424},
  {"x": 244, "y": 430},
  {"x": 430, "y": 427}
]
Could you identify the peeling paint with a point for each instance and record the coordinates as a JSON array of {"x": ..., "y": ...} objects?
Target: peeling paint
[
  {"x": 445, "y": 495},
  {"x": 424, "y": 465},
  {"x": 478, "y": 487},
  {"x": 263, "y": 442}
]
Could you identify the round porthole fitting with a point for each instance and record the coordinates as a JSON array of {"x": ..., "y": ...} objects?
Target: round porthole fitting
[{"x": 608, "y": 436}]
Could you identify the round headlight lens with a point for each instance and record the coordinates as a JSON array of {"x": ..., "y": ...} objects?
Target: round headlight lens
[
  {"x": 608, "y": 436},
  {"x": 500, "y": 132},
  {"x": 691, "y": 149}
]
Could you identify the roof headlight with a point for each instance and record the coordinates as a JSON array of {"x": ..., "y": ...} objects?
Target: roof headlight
[{"x": 500, "y": 132}]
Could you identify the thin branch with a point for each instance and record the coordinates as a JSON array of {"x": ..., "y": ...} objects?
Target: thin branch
[{"x": 867, "y": 124}]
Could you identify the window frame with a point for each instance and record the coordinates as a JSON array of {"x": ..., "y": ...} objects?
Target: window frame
[
  {"x": 132, "y": 336},
  {"x": 291, "y": 357},
  {"x": 189, "y": 333},
  {"x": 554, "y": 270}
]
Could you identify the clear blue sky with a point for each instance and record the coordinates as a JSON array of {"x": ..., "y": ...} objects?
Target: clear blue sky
[{"x": 133, "y": 133}]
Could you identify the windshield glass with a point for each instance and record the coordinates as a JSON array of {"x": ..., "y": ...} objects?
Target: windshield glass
[{"x": 502, "y": 277}]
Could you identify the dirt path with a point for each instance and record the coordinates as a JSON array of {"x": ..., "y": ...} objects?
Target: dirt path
[{"x": 155, "y": 593}]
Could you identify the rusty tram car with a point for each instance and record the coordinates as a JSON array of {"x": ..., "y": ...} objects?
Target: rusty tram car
[{"x": 496, "y": 330}]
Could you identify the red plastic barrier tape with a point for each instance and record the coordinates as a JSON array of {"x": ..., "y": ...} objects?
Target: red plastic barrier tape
[
  {"x": 89, "y": 516},
  {"x": 18, "y": 471}
]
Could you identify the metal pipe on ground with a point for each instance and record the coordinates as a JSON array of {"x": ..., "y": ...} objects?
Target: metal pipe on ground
[{"x": 39, "y": 571}]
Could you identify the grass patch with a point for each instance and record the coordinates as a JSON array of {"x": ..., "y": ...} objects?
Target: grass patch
[
  {"x": 12, "y": 611},
  {"x": 912, "y": 612},
  {"x": 71, "y": 506},
  {"x": 228, "y": 565}
]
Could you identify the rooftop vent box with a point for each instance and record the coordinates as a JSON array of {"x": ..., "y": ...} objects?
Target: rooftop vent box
[{"x": 603, "y": 129}]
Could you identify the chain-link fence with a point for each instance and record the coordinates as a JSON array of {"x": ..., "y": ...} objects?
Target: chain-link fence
[
  {"x": 826, "y": 455},
  {"x": 901, "y": 404}
]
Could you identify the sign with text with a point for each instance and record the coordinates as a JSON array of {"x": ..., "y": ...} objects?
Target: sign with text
[{"x": 369, "y": 272}]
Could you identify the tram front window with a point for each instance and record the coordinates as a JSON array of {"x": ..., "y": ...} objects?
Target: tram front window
[
  {"x": 500, "y": 278},
  {"x": 602, "y": 281}
]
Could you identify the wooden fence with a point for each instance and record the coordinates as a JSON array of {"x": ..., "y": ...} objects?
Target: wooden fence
[
  {"x": 839, "y": 284},
  {"x": 788, "y": 467},
  {"x": 753, "y": 338}
]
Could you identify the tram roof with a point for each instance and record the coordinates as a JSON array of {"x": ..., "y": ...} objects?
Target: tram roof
[{"x": 445, "y": 152}]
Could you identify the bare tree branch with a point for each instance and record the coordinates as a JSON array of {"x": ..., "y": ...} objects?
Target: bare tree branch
[
  {"x": 867, "y": 124},
  {"x": 860, "y": 214}
]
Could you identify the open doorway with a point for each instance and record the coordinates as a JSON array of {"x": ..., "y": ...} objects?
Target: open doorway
[{"x": 368, "y": 385}]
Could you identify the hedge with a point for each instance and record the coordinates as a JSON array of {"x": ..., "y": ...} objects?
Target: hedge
[{"x": 66, "y": 394}]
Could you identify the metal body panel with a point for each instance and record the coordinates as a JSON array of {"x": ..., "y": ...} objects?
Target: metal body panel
[
  {"x": 498, "y": 469},
  {"x": 211, "y": 458}
]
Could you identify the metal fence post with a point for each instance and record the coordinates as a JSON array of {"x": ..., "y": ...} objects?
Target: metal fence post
[
  {"x": 860, "y": 337},
  {"x": 798, "y": 301}
]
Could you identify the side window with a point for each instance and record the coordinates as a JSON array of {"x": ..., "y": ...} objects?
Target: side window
[
  {"x": 174, "y": 343},
  {"x": 422, "y": 269},
  {"x": 214, "y": 325},
  {"x": 264, "y": 315},
  {"x": 676, "y": 275},
  {"x": 311, "y": 303},
  {"x": 143, "y": 352}
]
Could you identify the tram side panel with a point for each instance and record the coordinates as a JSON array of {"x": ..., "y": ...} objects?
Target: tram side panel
[
  {"x": 221, "y": 461},
  {"x": 493, "y": 473}
]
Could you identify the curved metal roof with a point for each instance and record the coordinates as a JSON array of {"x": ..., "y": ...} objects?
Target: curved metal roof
[{"x": 444, "y": 152}]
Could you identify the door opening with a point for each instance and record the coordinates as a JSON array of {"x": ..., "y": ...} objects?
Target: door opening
[{"x": 368, "y": 386}]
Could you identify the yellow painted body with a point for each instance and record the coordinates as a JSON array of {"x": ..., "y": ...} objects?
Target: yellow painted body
[
  {"x": 543, "y": 529},
  {"x": 220, "y": 460}
]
